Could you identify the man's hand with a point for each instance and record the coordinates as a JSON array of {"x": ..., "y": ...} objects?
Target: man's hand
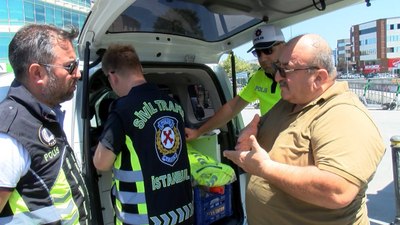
[
  {"x": 191, "y": 134},
  {"x": 251, "y": 160},
  {"x": 4, "y": 196},
  {"x": 103, "y": 158},
  {"x": 243, "y": 142}
]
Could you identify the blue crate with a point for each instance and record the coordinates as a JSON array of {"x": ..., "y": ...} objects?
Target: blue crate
[{"x": 210, "y": 207}]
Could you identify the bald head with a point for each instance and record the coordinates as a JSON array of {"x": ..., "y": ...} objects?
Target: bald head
[
  {"x": 311, "y": 49},
  {"x": 305, "y": 69}
]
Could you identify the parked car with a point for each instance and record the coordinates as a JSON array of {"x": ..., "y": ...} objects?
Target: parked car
[{"x": 180, "y": 43}]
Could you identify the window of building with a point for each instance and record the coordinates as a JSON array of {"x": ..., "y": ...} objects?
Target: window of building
[
  {"x": 49, "y": 15},
  {"x": 67, "y": 18},
  {"x": 16, "y": 12},
  {"x": 75, "y": 20},
  {"x": 4, "y": 13},
  {"x": 368, "y": 31},
  {"x": 82, "y": 20},
  {"x": 29, "y": 12},
  {"x": 368, "y": 52},
  {"x": 398, "y": 26},
  {"x": 393, "y": 38},
  {"x": 39, "y": 9},
  {"x": 390, "y": 50},
  {"x": 59, "y": 17},
  {"x": 391, "y": 27},
  {"x": 4, "y": 42}
]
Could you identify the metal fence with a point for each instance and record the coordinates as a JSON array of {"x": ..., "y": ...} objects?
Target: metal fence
[{"x": 382, "y": 92}]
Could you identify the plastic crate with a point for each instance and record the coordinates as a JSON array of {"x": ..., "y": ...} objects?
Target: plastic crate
[{"x": 210, "y": 207}]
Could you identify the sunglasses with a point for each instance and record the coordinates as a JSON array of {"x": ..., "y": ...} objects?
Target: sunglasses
[
  {"x": 70, "y": 68},
  {"x": 266, "y": 51},
  {"x": 283, "y": 72}
]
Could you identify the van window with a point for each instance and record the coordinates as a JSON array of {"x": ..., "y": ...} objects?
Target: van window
[{"x": 179, "y": 18}]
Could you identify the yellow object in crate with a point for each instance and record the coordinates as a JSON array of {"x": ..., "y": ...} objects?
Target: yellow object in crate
[{"x": 208, "y": 172}]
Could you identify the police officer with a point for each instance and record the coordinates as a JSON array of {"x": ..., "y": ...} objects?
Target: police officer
[
  {"x": 143, "y": 142},
  {"x": 40, "y": 182},
  {"x": 267, "y": 43}
]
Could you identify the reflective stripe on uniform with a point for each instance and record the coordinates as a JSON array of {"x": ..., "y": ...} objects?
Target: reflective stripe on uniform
[
  {"x": 128, "y": 176},
  {"x": 134, "y": 198},
  {"x": 129, "y": 197},
  {"x": 130, "y": 218},
  {"x": 43, "y": 215}
]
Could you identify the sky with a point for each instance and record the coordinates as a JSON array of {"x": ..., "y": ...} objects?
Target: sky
[{"x": 335, "y": 25}]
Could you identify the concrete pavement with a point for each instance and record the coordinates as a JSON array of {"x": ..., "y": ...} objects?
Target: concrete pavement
[{"x": 380, "y": 193}]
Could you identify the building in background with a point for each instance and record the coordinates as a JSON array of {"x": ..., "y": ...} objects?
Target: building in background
[
  {"x": 343, "y": 56},
  {"x": 16, "y": 13},
  {"x": 375, "y": 46}
]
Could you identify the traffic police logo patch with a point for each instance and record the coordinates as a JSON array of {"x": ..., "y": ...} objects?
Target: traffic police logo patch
[
  {"x": 168, "y": 140},
  {"x": 46, "y": 137}
]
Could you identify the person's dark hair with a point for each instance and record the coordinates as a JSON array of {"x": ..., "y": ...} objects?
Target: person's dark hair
[
  {"x": 120, "y": 57},
  {"x": 34, "y": 43}
]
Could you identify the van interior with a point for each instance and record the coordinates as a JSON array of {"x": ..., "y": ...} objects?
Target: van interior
[{"x": 196, "y": 88}]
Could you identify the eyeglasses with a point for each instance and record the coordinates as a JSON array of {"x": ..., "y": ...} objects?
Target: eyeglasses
[
  {"x": 266, "y": 51},
  {"x": 283, "y": 72},
  {"x": 70, "y": 68}
]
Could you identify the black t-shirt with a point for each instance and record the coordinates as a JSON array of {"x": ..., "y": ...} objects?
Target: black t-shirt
[{"x": 148, "y": 125}]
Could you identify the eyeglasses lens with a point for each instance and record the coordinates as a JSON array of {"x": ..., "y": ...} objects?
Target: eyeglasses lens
[
  {"x": 266, "y": 51},
  {"x": 71, "y": 67},
  {"x": 279, "y": 69}
]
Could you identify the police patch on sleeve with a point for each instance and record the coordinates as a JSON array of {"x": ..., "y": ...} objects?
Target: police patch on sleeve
[
  {"x": 46, "y": 137},
  {"x": 168, "y": 140}
]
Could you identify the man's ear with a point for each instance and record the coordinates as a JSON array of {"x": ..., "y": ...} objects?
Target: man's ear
[
  {"x": 112, "y": 78},
  {"x": 36, "y": 74},
  {"x": 321, "y": 77}
]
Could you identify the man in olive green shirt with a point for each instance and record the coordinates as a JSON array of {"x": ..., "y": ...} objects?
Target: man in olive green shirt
[{"x": 313, "y": 154}]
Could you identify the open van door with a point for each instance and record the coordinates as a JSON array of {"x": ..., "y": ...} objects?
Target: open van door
[{"x": 180, "y": 43}]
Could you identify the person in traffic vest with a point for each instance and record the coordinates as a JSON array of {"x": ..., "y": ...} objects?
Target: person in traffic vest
[
  {"x": 267, "y": 43},
  {"x": 40, "y": 181},
  {"x": 143, "y": 142}
]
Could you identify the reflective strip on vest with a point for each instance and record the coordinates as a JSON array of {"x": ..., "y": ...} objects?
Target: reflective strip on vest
[
  {"x": 135, "y": 219},
  {"x": 41, "y": 216},
  {"x": 17, "y": 204},
  {"x": 128, "y": 176},
  {"x": 129, "y": 197},
  {"x": 64, "y": 205},
  {"x": 62, "y": 197},
  {"x": 136, "y": 198},
  {"x": 172, "y": 217}
]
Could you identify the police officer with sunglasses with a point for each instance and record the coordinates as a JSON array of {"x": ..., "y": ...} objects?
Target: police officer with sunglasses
[
  {"x": 40, "y": 181},
  {"x": 267, "y": 43}
]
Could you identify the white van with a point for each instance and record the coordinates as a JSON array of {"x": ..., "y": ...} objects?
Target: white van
[
  {"x": 179, "y": 43},
  {"x": 5, "y": 82}
]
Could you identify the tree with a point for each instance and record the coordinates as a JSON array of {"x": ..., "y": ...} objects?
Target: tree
[{"x": 241, "y": 65}]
